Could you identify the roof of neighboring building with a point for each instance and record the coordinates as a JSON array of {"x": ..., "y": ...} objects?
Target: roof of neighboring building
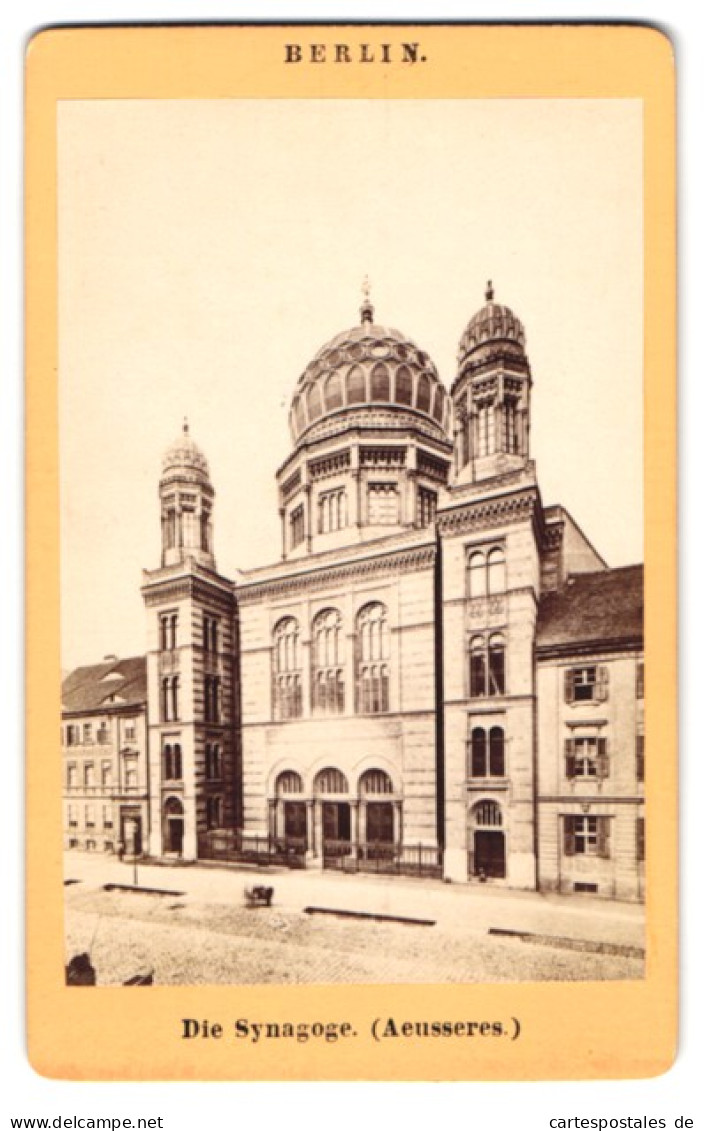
[
  {"x": 99, "y": 686},
  {"x": 602, "y": 608}
]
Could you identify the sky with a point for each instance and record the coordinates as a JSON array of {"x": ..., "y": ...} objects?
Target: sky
[{"x": 207, "y": 249}]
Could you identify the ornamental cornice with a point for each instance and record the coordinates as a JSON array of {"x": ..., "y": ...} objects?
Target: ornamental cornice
[
  {"x": 402, "y": 561},
  {"x": 157, "y": 591},
  {"x": 481, "y": 514}
]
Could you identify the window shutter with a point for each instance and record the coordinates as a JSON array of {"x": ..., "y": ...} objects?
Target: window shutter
[
  {"x": 569, "y": 836},
  {"x": 569, "y": 685},
  {"x": 602, "y": 766},
  {"x": 602, "y": 684},
  {"x": 602, "y": 836},
  {"x": 569, "y": 758}
]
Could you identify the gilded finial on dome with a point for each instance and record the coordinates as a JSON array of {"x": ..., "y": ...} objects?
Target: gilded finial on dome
[
  {"x": 185, "y": 425},
  {"x": 366, "y": 309},
  {"x": 489, "y": 293}
]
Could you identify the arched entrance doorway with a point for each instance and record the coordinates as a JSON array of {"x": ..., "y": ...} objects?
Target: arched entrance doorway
[
  {"x": 336, "y": 815},
  {"x": 290, "y": 819},
  {"x": 380, "y": 814},
  {"x": 173, "y": 826},
  {"x": 487, "y": 841}
]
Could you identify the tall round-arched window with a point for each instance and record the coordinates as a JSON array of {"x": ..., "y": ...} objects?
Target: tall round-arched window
[
  {"x": 496, "y": 752},
  {"x": 496, "y": 570},
  {"x": 478, "y": 758},
  {"x": 314, "y": 404},
  {"x": 439, "y": 403},
  {"x": 380, "y": 383},
  {"x": 328, "y": 682},
  {"x": 356, "y": 392},
  {"x": 477, "y": 667},
  {"x": 372, "y": 659},
  {"x": 497, "y": 664},
  {"x": 288, "y": 700},
  {"x": 476, "y": 575},
  {"x": 333, "y": 391},
  {"x": 298, "y": 414},
  {"x": 423, "y": 396},
  {"x": 404, "y": 385}
]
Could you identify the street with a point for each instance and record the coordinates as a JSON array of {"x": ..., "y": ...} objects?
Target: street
[{"x": 201, "y": 932}]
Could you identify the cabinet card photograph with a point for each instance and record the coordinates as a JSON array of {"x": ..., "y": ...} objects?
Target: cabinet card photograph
[{"x": 350, "y": 515}]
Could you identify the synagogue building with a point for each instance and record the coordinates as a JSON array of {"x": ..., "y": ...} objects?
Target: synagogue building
[{"x": 439, "y": 675}]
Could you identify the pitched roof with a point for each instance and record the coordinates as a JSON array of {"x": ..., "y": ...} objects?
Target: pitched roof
[
  {"x": 603, "y": 608},
  {"x": 92, "y": 688}
]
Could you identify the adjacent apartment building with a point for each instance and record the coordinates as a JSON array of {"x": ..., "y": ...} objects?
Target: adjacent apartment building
[{"x": 104, "y": 745}]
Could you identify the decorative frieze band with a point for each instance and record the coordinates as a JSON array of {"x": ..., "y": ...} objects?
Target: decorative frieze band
[
  {"x": 478, "y": 515},
  {"x": 156, "y": 592},
  {"x": 403, "y": 561}
]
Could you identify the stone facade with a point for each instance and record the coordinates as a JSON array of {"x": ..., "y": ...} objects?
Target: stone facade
[{"x": 440, "y": 674}]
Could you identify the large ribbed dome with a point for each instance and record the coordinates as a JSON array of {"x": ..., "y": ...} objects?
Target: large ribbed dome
[
  {"x": 369, "y": 366},
  {"x": 492, "y": 324},
  {"x": 184, "y": 455}
]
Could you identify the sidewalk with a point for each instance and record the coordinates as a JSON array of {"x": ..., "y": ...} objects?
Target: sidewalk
[{"x": 471, "y": 909}]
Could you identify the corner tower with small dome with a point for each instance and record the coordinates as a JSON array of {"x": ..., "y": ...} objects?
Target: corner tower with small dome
[
  {"x": 491, "y": 394},
  {"x": 186, "y": 495},
  {"x": 191, "y": 665}
]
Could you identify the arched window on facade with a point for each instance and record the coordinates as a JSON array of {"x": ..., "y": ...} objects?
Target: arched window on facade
[
  {"x": 356, "y": 392},
  {"x": 205, "y": 530},
  {"x": 423, "y": 394},
  {"x": 288, "y": 782},
  {"x": 331, "y": 780},
  {"x": 375, "y": 782},
  {"x": 172, "y": 764},
  {"x": 379, "y": 827},
  {"x": 497, "y": 664},
  {"x": 404, "y": 385},
  {"x": 496, "y": 571},
  {"x": 314, "y": 404},
  {"x": 487, "y": 666},
  {"x": 487, "y": 753},
  {"x": 333, "y": 391},
  {"x": 372, "y": 660},
  {"x": 477, "y": 667},
  {"x": 439, "y": 403},
  {"x": 486, "y": 572},
  {"x": 298, "y": 414},
  {"x": 476, "y": 575},
  {"x": 380, "y": 383},
  {"x": 213, "y": 812},
  {"x": 286, "y": 659},
  {"x": 486, "y": 438},
  {"x": 487, "y": 814},
  {"x": 328, "y": 672},
  {"x": 213, "y": 761}
]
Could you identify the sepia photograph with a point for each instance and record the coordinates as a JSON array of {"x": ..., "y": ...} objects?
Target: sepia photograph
[{"x": 350, "y": 399}]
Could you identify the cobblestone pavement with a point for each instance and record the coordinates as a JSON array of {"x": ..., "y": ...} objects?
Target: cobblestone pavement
[{"x": 206, "y": 935}]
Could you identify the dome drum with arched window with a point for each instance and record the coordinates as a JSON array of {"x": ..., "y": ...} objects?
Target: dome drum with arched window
[{"x": 370, "y": 421}]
